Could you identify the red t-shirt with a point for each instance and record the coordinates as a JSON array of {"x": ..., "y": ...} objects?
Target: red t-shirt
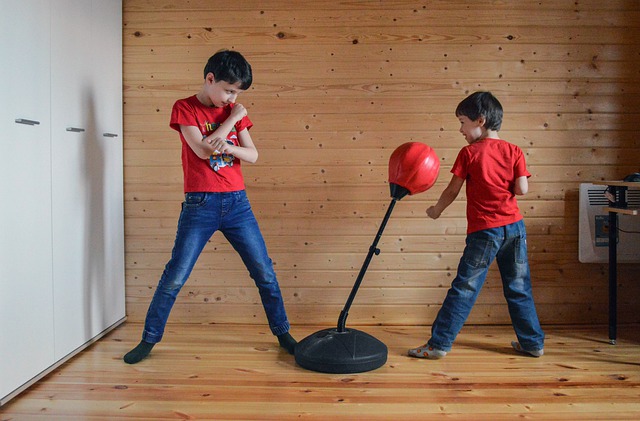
[
  {"x": 219, "y": 173},
  {"x": 490, "y": 168}
]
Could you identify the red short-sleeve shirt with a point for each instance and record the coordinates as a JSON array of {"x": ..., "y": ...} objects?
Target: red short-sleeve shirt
[
  {"x": 219, "y": 173},
  {"x": 490, "y": 168}
]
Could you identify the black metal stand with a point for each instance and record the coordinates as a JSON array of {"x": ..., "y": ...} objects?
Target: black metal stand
[
  {"x": 372, "y": 250},
  {"x": 343, "y": 350},
  {"x": 620, "y": 201}
]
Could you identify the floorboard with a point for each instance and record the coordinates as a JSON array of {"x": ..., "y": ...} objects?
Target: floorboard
[{"x": 237, "y": 372}]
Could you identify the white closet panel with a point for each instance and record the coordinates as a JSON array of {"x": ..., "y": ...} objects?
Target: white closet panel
[
  {"x": 77, "y": 170},
  {"x": 26, "y": 306},
  {"x": 88, "y": 239},
  {"x": 107, "y": 81}
]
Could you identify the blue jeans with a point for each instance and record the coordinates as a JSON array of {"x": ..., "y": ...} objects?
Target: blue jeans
[
  {"x": 202, "y": 215},
  {"x": 507, "y": 245}
]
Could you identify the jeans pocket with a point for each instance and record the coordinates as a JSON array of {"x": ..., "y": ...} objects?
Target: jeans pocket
[
  {"x": 194, "y": 200},
  {"x": 477, "y": 253}
]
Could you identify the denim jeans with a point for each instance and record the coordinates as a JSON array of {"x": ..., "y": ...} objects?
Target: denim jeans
[
  {"x": 508, "y": 246},
  {"x": 202, "y": 215}
]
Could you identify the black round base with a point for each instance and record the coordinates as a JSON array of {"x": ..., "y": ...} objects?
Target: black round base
[{"x": 330, "y": 351}]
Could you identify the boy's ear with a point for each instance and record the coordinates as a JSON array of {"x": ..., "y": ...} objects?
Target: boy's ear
[
  {"x": 482, "y": 120},
  {"x": 210, "y": 77}
]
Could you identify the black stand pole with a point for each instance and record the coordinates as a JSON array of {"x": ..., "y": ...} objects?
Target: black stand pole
[
  {"x": 613, "y": 275},
  {"x": 619, "y": 201},
  {"x": 372, "y": 250}
]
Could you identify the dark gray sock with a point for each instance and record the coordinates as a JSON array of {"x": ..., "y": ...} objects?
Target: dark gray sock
[
  {"x": 287, "y": 342},
  {"x": 138, "y": 353}
]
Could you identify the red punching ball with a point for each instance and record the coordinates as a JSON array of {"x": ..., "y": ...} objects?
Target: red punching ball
[{"x": 413, "y": 168}]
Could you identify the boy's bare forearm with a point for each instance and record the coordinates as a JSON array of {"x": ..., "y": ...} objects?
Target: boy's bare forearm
[
  {"x": 247, "y": 153},
  {"x": 221, "y": 132},
  {"x": 446, "y": 198}
]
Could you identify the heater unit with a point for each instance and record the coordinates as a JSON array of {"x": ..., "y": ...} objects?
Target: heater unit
[{"x": 594, "y": 227}]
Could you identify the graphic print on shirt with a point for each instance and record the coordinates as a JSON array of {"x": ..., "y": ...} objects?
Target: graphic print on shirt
[{"x": 221, "y": 160}]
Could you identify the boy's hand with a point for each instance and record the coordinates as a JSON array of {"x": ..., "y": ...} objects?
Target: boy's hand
[
  {"x": 220, "y": 145},
  {"x": 238, "y": 112},
  {"x": 433, "y": 213}
]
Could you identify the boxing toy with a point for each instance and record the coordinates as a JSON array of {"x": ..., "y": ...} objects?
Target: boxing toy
[{"x": 413, "y": 168}]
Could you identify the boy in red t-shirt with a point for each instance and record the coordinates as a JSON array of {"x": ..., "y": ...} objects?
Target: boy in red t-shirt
[
  {"x": 214, "y": 132},
  {"x": 495, "y": 172}
]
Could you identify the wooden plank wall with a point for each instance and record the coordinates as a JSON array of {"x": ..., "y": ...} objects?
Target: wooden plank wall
[{"x": 337, "y": 86}]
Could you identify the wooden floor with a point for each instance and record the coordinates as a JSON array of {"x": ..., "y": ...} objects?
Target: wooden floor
[{"x": 230, "y": 372}]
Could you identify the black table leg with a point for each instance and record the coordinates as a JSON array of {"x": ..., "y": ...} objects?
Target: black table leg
[{"x": 613, "y": 277}]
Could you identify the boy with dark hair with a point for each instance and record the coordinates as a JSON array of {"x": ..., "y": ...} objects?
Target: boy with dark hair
[
  {"x": 495, "y": 172},
  {"x": 214, "y": 131}
]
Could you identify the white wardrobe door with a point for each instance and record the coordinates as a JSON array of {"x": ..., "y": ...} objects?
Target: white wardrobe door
[
  {"x": 26, "y": 310},
  {"x": 87, "y": 167},
  {"x": 107, "y": 60},
  {"x": 77, "y": 175}
]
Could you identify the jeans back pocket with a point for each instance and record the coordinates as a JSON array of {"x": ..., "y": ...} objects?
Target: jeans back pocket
[{"x": 478, "y": 253}]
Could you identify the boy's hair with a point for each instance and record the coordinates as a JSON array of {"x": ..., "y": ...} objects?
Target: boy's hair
[
  {"x": 231, "y": 67},
  {"x": 482, "y": 104}
]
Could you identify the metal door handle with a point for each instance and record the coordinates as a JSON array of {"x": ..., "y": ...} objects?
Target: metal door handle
[{"x": 27, "y": 122}]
